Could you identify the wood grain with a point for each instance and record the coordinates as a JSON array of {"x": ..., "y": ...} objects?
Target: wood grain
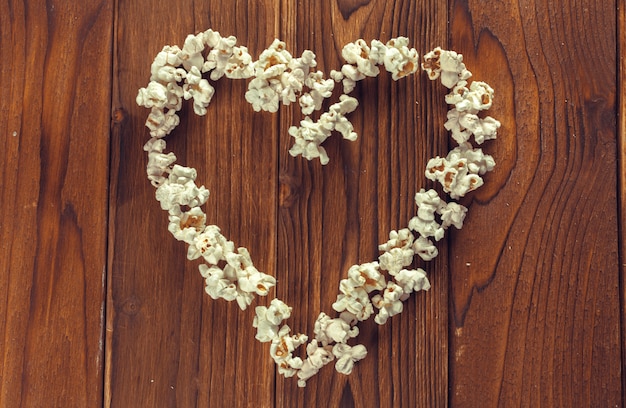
[
  {"x": 334, "y": 216},
  {"x": 536, "y": 309},
  {"x": 55, "y": 62},
  {"x": 527, "y": 301},
  {"x": 169, "y": 343}
]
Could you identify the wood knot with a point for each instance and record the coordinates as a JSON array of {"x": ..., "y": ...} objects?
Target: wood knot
[{"x": 118, "y": 116}]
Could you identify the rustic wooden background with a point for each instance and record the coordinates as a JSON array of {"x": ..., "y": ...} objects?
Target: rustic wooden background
[{"x": 99, "y": 307}]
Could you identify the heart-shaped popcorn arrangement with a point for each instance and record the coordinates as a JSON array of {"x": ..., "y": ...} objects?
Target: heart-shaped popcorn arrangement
[{"x": 376, "y": 288}]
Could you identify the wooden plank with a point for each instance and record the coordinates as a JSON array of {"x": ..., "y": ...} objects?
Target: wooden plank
[
  {"x": 536, "y": 308},
  {"x": 169, "y": 344},
  {"x": 621, "y": 151},
  {"x": 56, "y": 63},
  {"x": 334, "y": 216}
]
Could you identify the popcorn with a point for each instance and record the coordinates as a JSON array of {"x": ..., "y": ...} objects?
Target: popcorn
[
  {"x": 425, "y": 248},
  {"x": 169, "y": 58},
  {"x": 191, "y": 54},
  {"x": 218, "y": 60},
  {"x": 358, "y": 53},
  {"x": 464, "y": 124},
  {"x": 186, "y": 225},
  {"x": 317, "y": 358},
  {"x": 320, "y": 89},
  {"x": 398, "y": 239},
  {"x": 389, "y": 303},
  {"x": 262, "y": 96},
  {"x": 477, "y": 98},
  {"x": 428, "y": 203},
  {"x": 161, "y": 124},
  {"x": 158, "y": 162},
  {"x": 267, "y": 319},
  {"x": 459, "y": 173},
  {"x": 399, "y": 60},
  {"x": 395, "y": 259},
  {"x": 367, "y": 276},
  {"x": 199, "y": 89},
  {"x": 328, "y": 330},
  {"x": 177, "y": 74},
  {"x": 445, "y": 64},
  {"x": 398, "y": 251},
  {"x": 179, "y": 189},
  {"x": 453, "y": 214},
  {"x": 219, "y": 284},
  {"x": 273, "y": 61},
  {"x": 310, "y": 135},
  {"x": 281, "y": 351},
  {"x": 348, "y": 355},
  {"x": 155, "y": 95},
  {"x": 353, "y": 299},
  {"x": 239, "y": 65},
  {"x": 211, "y": 245},
  {"x": 249, "y": 279},
  {"x": 410, "y": 281}
]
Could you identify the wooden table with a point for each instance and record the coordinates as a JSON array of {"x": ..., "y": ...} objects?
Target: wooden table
[{"x": 99, "y": 306}]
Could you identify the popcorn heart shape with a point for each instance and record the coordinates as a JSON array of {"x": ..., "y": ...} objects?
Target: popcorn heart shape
[{"x": 277, "y": 78}]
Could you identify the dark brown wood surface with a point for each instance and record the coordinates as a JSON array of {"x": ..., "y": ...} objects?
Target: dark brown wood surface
[{"x": 100, "y": 307}]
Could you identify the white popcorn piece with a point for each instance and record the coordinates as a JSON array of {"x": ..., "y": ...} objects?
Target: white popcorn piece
[
  {"x": 358, "y": 53},
  {"x": 317, "y": 357},
  {"x": 267, "y": 319},
  {"x": 348, "y": 355},
  {"x": 262, "y": 96},
  {"x": 428, "y": 203},
  {"x": 411, "y": 281},
  {"x": 328, "y": 330},
  {"x": 169, "y": 73},
  {"x": 217, "y": 285},
  {"x": 155, "y": 95},
  {"x": 191, "y": 53},
  {"x": 169, "y": 57},
  {"x": 464, "y": 124},
  {"x": 161, "y": 124},
  {"x": 273, "y": 61},
  {"x": 398, "y": 239},
  {"x": 353, "y": 299},
  {"x": 453, "y": 214},
  {"x": 453, "y": 175},
  {"x": 249, "y": 279},
  {"x": 445, "y": 64},
  {"x": 185, "y": 226},
  {"x": 199, "y": 89},
  {"x": 158, "y": 162},
  {"x": 367, "y": 276},
  {"x": 389, "y": 303},
  {"x": 476, "y": 98},
  {"x": 350, "y": 76},
  {"x": 320, "y": 89},
  {"x": 398, "y": 251},
  {"x": 425, "y": 248},
  {"x": 459, "y": 173},
  {"x": 399, "y": 60},
  {"x": 239, "y": 65},
  {"x": 179, "y": 189},
  {"x": 211, "y": 245},
  {"x": 218, "y": 60},
  {"x": 281, "y": 351},
  {"x": 477, "y": 161},
  {"x": 310, "y": 135},
  {"x": 395, "y": 259}
]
